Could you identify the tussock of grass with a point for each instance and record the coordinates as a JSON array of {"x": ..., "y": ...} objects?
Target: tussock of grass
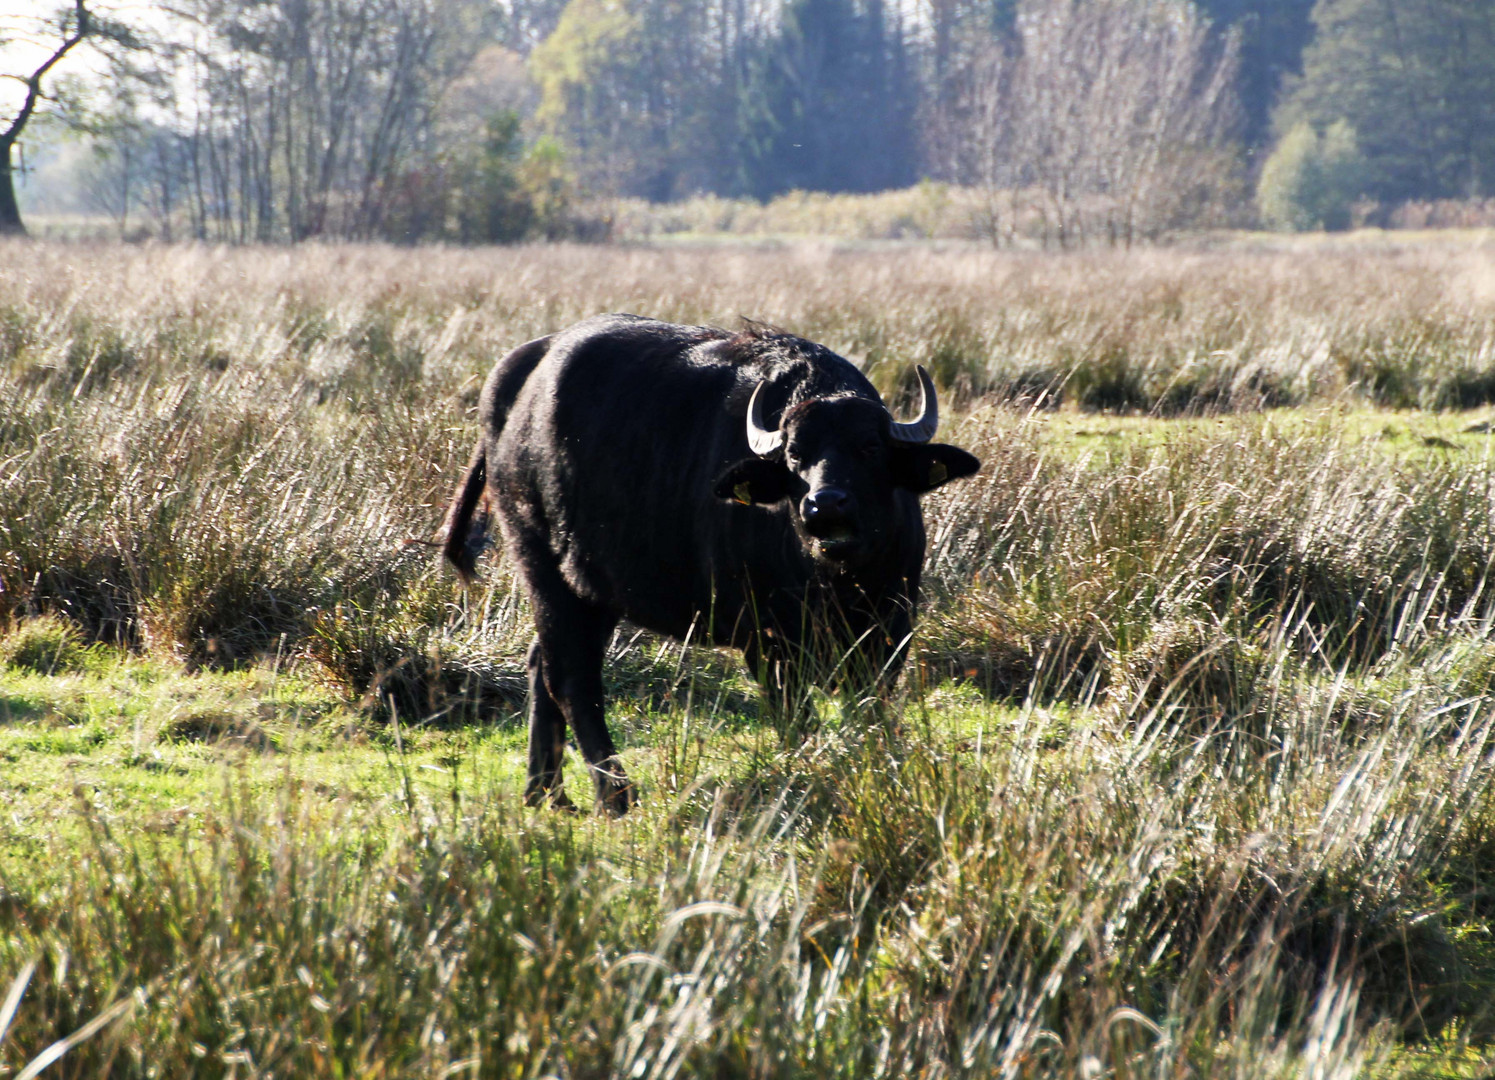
[
  {"x": 47, "y": 645},
  {"x": 404, "y": 656},
  {"x": 1056, "y": 575},
  {"x": 218, "y": 727},
  {"x": 1192, "y": 668}
]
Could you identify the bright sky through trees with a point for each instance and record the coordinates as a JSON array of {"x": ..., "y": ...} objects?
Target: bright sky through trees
[{"x": 28, "y": 35}]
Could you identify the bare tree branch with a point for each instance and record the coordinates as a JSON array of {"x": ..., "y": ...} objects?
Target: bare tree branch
[
  {"x": 82, "y": 24},
  {"x": 1105, "y": 119},
  {"x": 74, "y": 29}
]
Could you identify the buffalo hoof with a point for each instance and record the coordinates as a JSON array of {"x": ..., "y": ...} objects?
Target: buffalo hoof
[
  {"x": 615, "y": 794},
  {"x": 554, "y": 797},
  {"x": 617, "y": 799}
]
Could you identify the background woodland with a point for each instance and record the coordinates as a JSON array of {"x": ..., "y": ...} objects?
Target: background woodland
[{"x": 1053, "y": 122}]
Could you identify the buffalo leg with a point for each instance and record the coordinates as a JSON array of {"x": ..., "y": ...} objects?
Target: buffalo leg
[
  {"x": 573, "y": 640},
  {"x": 547, "y": 739}
]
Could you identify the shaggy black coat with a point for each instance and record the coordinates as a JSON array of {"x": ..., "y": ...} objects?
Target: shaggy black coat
[{"x": 615, "y": 455}]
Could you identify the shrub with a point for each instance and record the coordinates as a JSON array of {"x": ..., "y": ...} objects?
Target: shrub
[
  {"x": 1310, "y": 181},
  {"x": 498, "y": 192}
]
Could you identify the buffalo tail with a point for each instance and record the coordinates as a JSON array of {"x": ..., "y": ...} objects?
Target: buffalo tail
[{"x": 466, "y": 526}]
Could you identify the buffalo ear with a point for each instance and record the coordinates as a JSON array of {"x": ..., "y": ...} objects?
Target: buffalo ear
[
  {"x": 754, "y": 480},
  {"x": 924, "y": 468}
]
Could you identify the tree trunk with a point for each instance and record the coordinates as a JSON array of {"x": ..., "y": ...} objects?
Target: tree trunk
[{"x": 10, "y": 212}]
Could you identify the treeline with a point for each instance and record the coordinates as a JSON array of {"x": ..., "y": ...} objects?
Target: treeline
[
  {"x": 664, "y": 98},
  {"x": 1084, "y": 120},
  {"x": 1393, "y": 104},
  {"x": 259, "y": 120}
]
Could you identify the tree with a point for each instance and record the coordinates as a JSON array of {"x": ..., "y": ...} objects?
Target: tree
[
  {"x": 1274, "y": 34},
  {"x": 495, "y": 192},
  {"x": 589, "y": 94},
  {"x": 1113, "y": 118},
  {"x": 530, "y": 22},
  {"x": 644, "y": 94},
  {"x": 1414, "y": 79},
  {"x": 837, "y": 100},
  {"x": 72, "y": 26},
  {"x": 285, "y": 119},
  {"x": 137, "y": 167},
  {"x": 280, "y": 120},
  {"x": 1310, "y": 181}
]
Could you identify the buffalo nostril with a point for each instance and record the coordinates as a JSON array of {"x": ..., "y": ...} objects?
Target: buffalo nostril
[{"x": 827, "y": 502}]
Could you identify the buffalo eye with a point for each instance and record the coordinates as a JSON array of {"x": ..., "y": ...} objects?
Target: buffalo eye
[{"x": 870, "y": 451}]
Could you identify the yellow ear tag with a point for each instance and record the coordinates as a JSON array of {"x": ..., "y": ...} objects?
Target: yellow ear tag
[
  {"x": 742, "y": 494},
  {"x": 937, "y": 473}
]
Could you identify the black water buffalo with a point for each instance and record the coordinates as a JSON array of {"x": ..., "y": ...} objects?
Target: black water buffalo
[{"x": 748, "y": 489}]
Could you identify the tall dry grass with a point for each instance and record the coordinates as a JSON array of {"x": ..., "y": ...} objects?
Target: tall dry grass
[
  {"x": 1398, "y": 325},
  {"x": 207, "y": 449}
]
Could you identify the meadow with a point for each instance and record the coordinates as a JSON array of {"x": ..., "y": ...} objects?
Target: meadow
[{"x": 1192, "y": 774}]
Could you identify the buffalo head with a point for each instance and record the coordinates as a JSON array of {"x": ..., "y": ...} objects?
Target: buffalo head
[{"x": 841, "y": 462}]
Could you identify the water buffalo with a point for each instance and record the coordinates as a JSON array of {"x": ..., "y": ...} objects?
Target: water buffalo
[{"x": 748, "y": 489}]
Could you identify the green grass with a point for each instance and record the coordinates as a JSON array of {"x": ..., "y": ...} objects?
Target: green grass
[{"x": 331, "y": 893}]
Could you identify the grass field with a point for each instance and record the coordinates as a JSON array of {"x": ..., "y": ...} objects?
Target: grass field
[{"x": 1193, "y": 773}]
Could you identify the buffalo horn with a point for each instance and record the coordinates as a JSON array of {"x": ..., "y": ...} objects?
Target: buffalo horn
[
  {"x": 760, "y": 438},
  {"x": 922, "y": 427}
]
